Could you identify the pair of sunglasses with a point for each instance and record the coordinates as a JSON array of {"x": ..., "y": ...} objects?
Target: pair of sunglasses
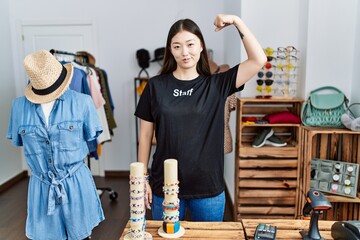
[
  {"x": 265, "y": 96},
  {"x": 269, "y": 51},
  {"x": 285, "y": 76},
  {"x": 270, "y": 58},
  {"x": 268, "y": 74},
  {"x": 280, "y": 91},
  {"x": 288, "y": 66},
  {"x": 268, "y": 65},
  {"x": 268, "y": 82},
  {"x": 287, "y": 49},
  {"x": 285, "y": 82},
  {"x": 291, "y": 57}
]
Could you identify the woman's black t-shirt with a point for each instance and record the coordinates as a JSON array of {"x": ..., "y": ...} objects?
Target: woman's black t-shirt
[{"x": 189, "y": 127}]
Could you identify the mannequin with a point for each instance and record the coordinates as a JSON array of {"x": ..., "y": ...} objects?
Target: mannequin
[
  {"x": 47, "y": 107},
  {"x": 53, "y": 124}
]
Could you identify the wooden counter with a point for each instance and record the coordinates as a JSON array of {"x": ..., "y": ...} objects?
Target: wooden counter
[
  {"x": 198, "y": 230},
  {"x": 286, "y": 229}
]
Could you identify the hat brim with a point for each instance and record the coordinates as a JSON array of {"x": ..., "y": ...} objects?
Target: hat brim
[{"x": 39, "y": 99}]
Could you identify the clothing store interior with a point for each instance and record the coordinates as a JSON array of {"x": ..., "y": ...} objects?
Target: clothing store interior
[{"x": 75, "y": 110}]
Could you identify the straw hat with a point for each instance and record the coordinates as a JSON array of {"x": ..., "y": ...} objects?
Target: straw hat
[
  {"x": 214, "y": 68},
  {"x": 48, "y": 77},
  {"x": 91, "y": 59}
]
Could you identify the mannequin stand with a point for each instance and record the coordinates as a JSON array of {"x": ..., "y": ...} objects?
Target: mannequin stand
[{"x": 112, "y": 194}]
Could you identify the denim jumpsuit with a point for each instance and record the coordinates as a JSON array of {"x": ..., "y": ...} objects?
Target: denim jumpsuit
[{"x": 62, "y": 199}]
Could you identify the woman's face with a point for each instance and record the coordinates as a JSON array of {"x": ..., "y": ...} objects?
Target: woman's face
[{"x": 186, "y": 49}]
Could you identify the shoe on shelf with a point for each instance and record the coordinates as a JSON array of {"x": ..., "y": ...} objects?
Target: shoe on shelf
[
  {"x": 262, "y": 136},
  {"x": 275, "y": 141}
]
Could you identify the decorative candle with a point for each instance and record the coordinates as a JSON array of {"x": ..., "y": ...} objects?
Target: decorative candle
[
  {"x": 137, "y": 203},
  {"x": 171, "y": 226},
  {"x": 170, "y": 178}
]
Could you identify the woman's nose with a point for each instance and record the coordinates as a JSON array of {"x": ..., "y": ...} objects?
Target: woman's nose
[{"x": 184, "y": 51}]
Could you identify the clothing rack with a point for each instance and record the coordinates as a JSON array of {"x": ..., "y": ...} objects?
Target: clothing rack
[
  {"x": 84, "y": 59},
  {"x": 53, "y": 51},
  {"x": 78, "y": 57}
]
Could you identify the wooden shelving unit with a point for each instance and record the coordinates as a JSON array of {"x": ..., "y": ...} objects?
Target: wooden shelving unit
[
  {"x": 331, "y": 144},
  {"x": 272, "y": 182},
  {"x": 266, "y": 178}
]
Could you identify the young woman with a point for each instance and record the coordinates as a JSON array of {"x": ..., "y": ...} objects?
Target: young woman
[{"x": 185, "y": 106}]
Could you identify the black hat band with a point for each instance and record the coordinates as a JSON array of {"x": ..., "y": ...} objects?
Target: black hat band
[{"x": 54, "y": 86}]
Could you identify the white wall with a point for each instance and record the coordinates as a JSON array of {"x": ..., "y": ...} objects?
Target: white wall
[
  {"x": 10, "y": 158},
  {"x": 275, "y": 24},
  {"x": 325, "y": 31},
  {"x": 331, "y": 44},
  {"x": 355, "y": 86}
]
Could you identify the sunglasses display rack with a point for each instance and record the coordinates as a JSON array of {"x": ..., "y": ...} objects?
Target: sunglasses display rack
[
  {"x": 336, "y": 177},
  {"x": 278, "y": 77}
]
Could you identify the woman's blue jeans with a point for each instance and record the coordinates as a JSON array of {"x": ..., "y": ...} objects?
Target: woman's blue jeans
[{"x": 201, "y": 209}]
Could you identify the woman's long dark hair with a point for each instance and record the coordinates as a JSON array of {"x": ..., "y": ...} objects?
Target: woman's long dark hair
[{"x": 169, "y": 64}]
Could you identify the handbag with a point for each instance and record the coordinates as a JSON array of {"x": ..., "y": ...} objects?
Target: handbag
[
  {"x": 324, "y": 110},
  {"x": 351, "y": 120}
]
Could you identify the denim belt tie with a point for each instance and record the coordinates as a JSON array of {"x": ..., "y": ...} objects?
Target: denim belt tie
[{"x": 57, "y": 193}]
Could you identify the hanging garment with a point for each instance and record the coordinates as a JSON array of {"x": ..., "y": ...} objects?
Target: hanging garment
[
  {"x": 79, "y": 84},
  {"x": 93, "y": 84},
  {"x": 109, "y": 106},
  {"x": 79, "y": 81},
  {"x": 98, "y": 99},
  {"x": 230, "y": 105}
]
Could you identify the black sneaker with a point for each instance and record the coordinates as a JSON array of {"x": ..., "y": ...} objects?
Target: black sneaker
[
  {"x": 274, "y": 141},
  {"x": 261, "y": 138}
]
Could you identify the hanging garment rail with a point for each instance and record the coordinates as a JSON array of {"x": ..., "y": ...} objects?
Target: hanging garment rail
[{"x": 78, "y": 57}]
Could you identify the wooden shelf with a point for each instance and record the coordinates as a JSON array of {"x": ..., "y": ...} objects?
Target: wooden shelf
[
  {"x": 270, "y": 100},
  {"x": 319, "y": 130},
  {"x": 244, "y": 125},
  {"x": 340, "y": 199},
  {"x": 330, "y": 144},
  {"x": 266, "y": 178},
  {"x": 288, "y": 151}
]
